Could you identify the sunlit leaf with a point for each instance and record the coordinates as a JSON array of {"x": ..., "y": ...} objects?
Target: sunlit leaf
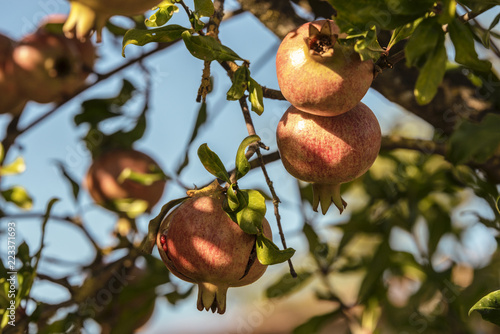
[
  {"x": 268, "y": 253},
  {"x": 212, "y": 163},
  {"x": 164, "y": 12},
  {"x": 256, "y": 96},
  {"x": 207, "y": 48},
  {"x": 489, "y": 307},
  {"x": 16, "y": 167},
  {"x": 19, "y": 196},
  {"x": 242, "y": 164},
  {"x": 142, "y": 37},
  {"x": 250, "y": 216},
  {"x": 204, "y": 7},
  {"x": 240, "y": 84}
]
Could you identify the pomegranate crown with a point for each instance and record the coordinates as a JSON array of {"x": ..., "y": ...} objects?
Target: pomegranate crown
[{"x": 321, "y": 42}]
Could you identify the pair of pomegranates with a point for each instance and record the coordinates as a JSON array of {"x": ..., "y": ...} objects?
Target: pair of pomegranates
[
  {"x": 44, "y": 66},
  {"x": 328, "y": 136}
]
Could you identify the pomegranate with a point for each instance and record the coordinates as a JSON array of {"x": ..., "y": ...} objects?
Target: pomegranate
[
  {"x": 328, "y": 151},
  {"x": 12, "y": 100},
  {"x": 200, "y": 244},
  {"x": 319, "y": 76},
  {"x": 102, "y": 179},
  {"x": 85, "y": 16},
  {"x": 49, "y": 67}
]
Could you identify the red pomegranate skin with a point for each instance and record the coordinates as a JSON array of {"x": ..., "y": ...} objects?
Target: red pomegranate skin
[
  {"x": 47, "y": 68},
  {"x": 11, "y": 101},
  {"x": 102, "y": 178},
  {"x": 200, "y": 244},
  {"x": 324, "y": 86},
  {"x": 328, "y": 151}
]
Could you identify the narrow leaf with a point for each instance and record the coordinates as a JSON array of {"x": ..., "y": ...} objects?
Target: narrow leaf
[
  {"x": 16, "y": 167},
  {"x": 242, "y": 164},
  {"x": 75, "y": 186},
  {"x": 154, "y": 225},
  {"x": 314, "y": 324},
  {"x": 489, "y": 307},
  {"x": 240, "y": 84},
  {"x": 256, "y": 96},
  {"x": 142, "y": 37},
  {"x": 268, "y": 253},
  {"x": 204, "y": 7},
  {"x": 207, "y": 48},
  {"x": 19, "y": 196},
  {"x": 422, "y": 43},
  {"x": 431, "y": 75},
  {"x": 164, "y": 12},
  {"x": 403, "y": 32},
  {"x": 465, "y": 52},
  {"x": 250, "y": 216},
  {"x": 232, "y": 199},
  {"x": 212, "y": 163}
]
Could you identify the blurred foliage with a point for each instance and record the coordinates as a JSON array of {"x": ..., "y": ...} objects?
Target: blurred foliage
[{"x": 402, "y": 245}]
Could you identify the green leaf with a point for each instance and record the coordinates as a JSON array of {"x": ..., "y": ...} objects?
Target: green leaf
[
  {"x": 19, "y": 196},
  {"x": 164, "y": 12},
  {"x": 142, "y": 37},
  {"x": 146, "y": 179},
  {"x": 256, "y": 96},
  {"x": 366, "y": 44},
  {"x": 75, "y": 186},
  {"x": 16, "y": 167},
  {"x": 386, "y": 15},
  {"x": 2, "y": 153},
  {"x": 242, "y": 164},
  {"x": 240, "y": 84},
  {"x": 486, "y": 140},
  {"x": 250, "y": 216},
  {"x": 431, "y": 75},
  {"x": 428, "y": 35},
  {"x": 204, "y": 7},
  {"x": 212, "y": 163},
  {"x": 489, "y": 307},
  {"x": 447, "y": 13},
  {"x": 154, "y": 225},
  {"x": 268, "y": 253},
  {"x": 314, "y": 324},
  {"x": 232, "y": 199},
  {"x": 317, "y": 248},
  {"x": 403, "y": 32},
  {"x": 207, "y": 48},
  {"x": 132, "y": 207},
  {"x": 465, "y": 52},
  {"x": 288, "y": 284}
]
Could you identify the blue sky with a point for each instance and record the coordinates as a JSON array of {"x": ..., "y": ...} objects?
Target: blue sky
[{"x": 176, "y": 76}]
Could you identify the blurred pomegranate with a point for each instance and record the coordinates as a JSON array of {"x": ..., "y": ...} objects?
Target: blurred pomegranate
[
  {"x": 199, "y": 243},
  {"x": 50, "y": 67},
  {"x": 12, "y": 101},
  {"x": 86, "y": 16},
  {"x": 104, "y": 184}
]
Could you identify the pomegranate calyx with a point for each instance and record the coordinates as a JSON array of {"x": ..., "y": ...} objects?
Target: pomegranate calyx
[
  {"x": 212, "y": 297},
  {"x": 321, "y": 42},
  {"x": 212, "y": 190},
  {"x": 326, "y": 194}
]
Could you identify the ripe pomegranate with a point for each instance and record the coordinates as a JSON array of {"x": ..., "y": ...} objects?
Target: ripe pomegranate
[
  {"x": 319, "y": 76},
  {"x": 200, "y": 244},
  {"x": 49, "y": 67},
  {"x": 85, "y": 16},
  {"x": 102, "y": 178},
  {"x": 328, "y": 151},
  {"x": 12, "y": 101}
]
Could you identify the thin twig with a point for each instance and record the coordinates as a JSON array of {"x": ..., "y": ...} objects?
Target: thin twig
[{"x": 276, "y": 200}]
